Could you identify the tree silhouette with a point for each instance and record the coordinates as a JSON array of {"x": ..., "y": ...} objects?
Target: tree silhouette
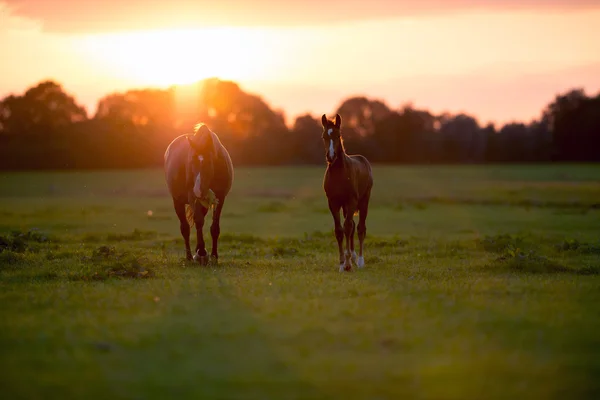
[
  {"x": 43, "y": 109},
  {"x": 46, "y": 128}
]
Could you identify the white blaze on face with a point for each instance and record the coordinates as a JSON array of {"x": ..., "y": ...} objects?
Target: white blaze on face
[
  {"x": 331, "y": 150},
  {"x": 198, "y": 182}
]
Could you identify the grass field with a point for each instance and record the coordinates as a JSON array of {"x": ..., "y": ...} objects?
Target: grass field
[{"x": 480, "y": 283}]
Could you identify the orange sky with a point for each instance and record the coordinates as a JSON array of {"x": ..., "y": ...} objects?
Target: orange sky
[{"x": 498, "y": 60}]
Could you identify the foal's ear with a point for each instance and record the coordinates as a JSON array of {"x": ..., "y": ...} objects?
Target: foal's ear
[
  {"x": 338, "y": 121},
  {"x": 324, "y": 120}
]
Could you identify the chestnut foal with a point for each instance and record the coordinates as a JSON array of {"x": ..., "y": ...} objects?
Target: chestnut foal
[{"x": 348, "y": 182}]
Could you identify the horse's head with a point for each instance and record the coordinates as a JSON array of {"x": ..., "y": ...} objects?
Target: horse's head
[
  {"x": 332, "y": 138},
  {"x": 201, "y": 160}
]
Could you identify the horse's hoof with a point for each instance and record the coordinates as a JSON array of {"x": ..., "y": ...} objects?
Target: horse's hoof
[
  {"x": 361, "y": 262},
  {"x": 345, "y": 267},
  {"x": 203, "y": 260},
  {"x": 214, "y": 260}
]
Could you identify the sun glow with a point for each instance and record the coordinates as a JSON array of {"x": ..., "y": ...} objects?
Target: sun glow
[{"x": 163, "y": 58}]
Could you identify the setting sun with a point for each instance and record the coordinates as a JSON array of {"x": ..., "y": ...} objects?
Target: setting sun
[{"x": 162, "y": 58}]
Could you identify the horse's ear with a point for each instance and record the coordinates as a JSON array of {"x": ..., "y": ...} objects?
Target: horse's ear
[
  {"x": 324, "y": 120},
  {"x": 338, "y": 121}
]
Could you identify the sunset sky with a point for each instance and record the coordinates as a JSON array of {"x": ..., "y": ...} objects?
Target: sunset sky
[{"x": 499, "y": 60}]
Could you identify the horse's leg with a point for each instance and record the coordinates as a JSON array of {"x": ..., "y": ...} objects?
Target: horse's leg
[
  {"x": 363, "y": 209},
  {"x": 215, "y": 229},
  {"x": 199, "y": 215},
  {"x": 184, "y": 227},
  {"x": 354, "y": 256},
  {"x": 339, "y": 231},
  {"x": 348, "y": 230}
]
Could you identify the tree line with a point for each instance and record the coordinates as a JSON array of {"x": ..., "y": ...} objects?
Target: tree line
[{"x": 45, "y": 128}]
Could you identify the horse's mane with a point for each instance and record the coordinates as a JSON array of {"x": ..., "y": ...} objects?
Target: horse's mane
[{"x": 200, "y": 133}]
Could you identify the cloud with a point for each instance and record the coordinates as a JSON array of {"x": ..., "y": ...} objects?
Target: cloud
[{"x": 96, "y": 16}]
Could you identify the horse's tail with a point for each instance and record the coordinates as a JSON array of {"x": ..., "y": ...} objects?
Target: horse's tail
[{"x": 189, "y": 214}]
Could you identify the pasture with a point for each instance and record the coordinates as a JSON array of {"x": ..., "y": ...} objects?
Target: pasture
[{"x": 481, "y": 282}]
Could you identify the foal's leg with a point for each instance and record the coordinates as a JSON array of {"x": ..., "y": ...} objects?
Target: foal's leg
[
  {"x": 215, "y": 229},
  {"x": 339, "y": 231},
  {"x": 184, "y": 227},
  {"x": 353, "y": 253},
  {"x": 354, "y": 257},
  {"x": 363, "y": 209},
  {"x": 199, "y": 214},
  {"x": 348, "y": 230}
]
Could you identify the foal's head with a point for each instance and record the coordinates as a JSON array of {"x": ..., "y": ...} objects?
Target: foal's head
[
  {"x": 332, "y": 138},
  {"x": 201, "y": 160}
]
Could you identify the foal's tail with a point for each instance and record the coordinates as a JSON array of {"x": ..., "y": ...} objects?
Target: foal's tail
[{"x": 189, "y": 214}]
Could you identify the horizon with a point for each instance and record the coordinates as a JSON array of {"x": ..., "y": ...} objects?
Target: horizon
[{"x": 460, "y": 57}]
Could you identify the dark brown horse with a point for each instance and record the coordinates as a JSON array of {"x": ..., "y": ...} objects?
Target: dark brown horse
[
  {"x": 348, "y": 182},
  {"x": 194, "y": 165}
]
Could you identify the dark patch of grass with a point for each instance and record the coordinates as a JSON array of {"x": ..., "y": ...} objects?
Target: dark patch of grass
[
  {"x": 589, "y": 270},
  {"x": 9, "y": 258},
  {"x": 110, "y": 263},
  {"x": 501, "y": 243},
  {"x": 32, "y": 235},
  {"x": 575, "y": 246},
  {"x": 20, "y": 242},
  {"x": 528, "y": 262}
]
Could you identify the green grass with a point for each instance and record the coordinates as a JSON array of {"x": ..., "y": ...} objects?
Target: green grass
[{"x": 480, "y": 283}]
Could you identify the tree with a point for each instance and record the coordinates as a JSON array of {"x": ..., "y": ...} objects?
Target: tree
[
  {"x": 43, "y": 109},
  {"x": 306, "y": 142},
  {"x": 141, "y": 108},
  {"x": 462, "y": 139},
  {"x": 573, "y": 119},
  {"x": 403, "y": 136}
]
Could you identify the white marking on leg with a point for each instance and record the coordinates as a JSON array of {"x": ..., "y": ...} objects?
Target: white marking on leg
[
  {"x": 354, "y": 256},
  {"x": 361, "y": 262},
  {"x": 342, "y": 266}
]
